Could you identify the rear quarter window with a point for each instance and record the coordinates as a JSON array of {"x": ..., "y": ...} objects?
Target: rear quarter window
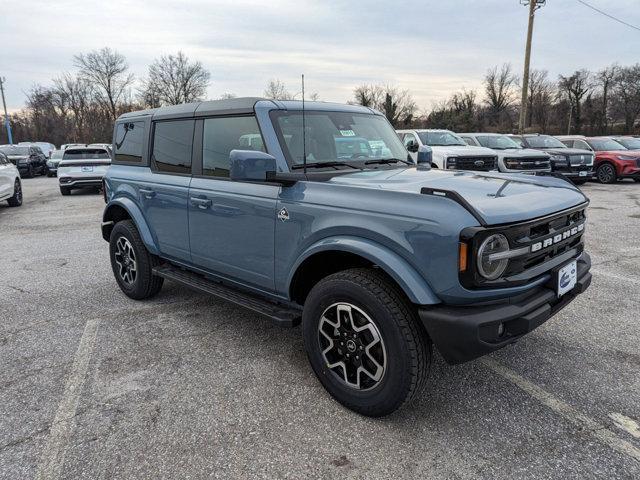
[{"x": 129, "y": 141}]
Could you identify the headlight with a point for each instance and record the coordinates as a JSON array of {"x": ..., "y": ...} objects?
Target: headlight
[
  {"x": 451, "y": 162},
  {"x": 492, "y": 268},
  {"x": 626, "y": 157}
]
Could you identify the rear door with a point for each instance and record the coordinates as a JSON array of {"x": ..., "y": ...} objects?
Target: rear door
[
  {"x": 163, "y": 195},
  {"x": 231, "y": 223}
]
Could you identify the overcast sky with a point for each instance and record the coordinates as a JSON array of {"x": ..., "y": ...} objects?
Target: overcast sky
[{"x": 432, "y": 48}]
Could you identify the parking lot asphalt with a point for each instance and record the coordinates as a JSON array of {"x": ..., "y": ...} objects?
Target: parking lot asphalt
[{"x": 95, "y": 385}]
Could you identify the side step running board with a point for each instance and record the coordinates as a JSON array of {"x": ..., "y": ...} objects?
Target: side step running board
[{"x": 284, "y": 315}]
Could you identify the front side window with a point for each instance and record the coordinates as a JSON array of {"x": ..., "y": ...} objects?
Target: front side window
[
  {"x": 223, "y": 134},
  {"x": 332, "y": 137},
  {"x": 129, "y": 141},
  {"x": 172, "y": 145},
  {"x": 630, "y": 143},
  {"x": 408, "y": 139}
]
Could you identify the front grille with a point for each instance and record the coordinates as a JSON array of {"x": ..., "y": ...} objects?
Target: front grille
[
  {"x": 583, "y": 159},
  {"x": 539, "y": 237},
  {"x": 479, "y": 164},
  {"x": 527, "y": 163}
]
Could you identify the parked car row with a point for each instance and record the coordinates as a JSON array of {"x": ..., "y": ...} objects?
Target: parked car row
[{"x": 577, "y": 158}]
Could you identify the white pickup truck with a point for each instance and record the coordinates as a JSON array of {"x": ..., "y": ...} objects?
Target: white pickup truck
[{"x": 450, "y": 152}]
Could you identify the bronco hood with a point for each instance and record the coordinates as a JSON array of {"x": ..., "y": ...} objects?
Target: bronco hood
[{"x": 495, "y": 197}]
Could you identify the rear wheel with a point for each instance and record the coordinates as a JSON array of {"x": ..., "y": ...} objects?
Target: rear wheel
[
  {"x": 65, "y": 190},
  {"x": 364, "y": 342},
  {"x": 606, "y": 173},
  {"x": 132, "y": 263},
  {"x": 16, "y": 200}
]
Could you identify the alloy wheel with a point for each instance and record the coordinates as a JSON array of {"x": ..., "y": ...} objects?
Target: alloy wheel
[
  {"x": 125, "y": 258},
  {"x": 17, "y": 191},
  {"x": 352, "y": 346},
  {"x": 606, "y": 174}
]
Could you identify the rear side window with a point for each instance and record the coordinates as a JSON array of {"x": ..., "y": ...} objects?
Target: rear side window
[
  {"x": 172, "y": 145},
  {"x": 221, "y": 135},
  {"x": 128, "y": 142}
]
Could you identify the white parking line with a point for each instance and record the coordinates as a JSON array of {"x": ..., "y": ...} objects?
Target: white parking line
[
  {"x": 52, "y": 458},
  {"x": 625, "y": 423},
  {"x": 599, "y": 431}
]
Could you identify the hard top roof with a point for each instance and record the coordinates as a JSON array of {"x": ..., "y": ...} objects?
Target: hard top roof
[{"x": 232, "y": 106}]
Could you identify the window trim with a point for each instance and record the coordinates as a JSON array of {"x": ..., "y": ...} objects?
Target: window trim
[{"x": 152, "y": 162}]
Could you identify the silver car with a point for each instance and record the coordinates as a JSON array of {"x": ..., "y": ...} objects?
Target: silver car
[{"x": 83, "y": 167}]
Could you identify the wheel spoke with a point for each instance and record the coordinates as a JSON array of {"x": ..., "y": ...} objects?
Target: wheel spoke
[{"x": 352, "y": 346}]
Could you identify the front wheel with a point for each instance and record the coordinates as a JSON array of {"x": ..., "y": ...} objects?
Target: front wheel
[
  {"x": 606, "y": 173},
  {"x": 636, "y": 180},
  {"x": 579, "y": 182},
  {"x": 364, "y": 342},
  {"x": 16, "y": 200},
  {"x": 65, "y": 191},
  {"x": 132, "y": 263}
]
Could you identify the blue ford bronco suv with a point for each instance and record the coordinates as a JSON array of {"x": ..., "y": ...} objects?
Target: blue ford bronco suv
[{"x": 315, "y": 213}]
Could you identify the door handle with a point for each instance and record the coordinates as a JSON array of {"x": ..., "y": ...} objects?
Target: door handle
[
  {"x": 146, "y": 193},
  {"x": 202, "y": 203}
]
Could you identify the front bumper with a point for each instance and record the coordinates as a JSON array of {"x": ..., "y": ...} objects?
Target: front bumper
[{"x": 462, "y": 333}]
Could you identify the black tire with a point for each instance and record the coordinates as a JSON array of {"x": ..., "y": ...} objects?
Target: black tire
[
  {"x": 65, "y": 190},
  {"x": 144, "y": 284},
  {"x": 579, "y": 182},
  {"x": 406, "y": 346},
  {"x": 16, "y": 200},
  {"x": 30, "y": 173},
  {"x": 636, "y": 180},
  {"x": 606, "y": 173}
]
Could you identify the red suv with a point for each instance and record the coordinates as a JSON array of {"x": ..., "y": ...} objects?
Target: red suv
[{"x": 613, "y": 161}]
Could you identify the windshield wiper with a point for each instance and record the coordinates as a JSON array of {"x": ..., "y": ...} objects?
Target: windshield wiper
[
  {"x": 323, "y": 165},
  {"x": 386, "y": 161}
]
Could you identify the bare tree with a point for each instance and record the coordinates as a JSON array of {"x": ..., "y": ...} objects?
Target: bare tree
[
  {"x": 173, "y": 80},
  {"x": 106, "y": 71},
  {"x": 276, "y": 90},
  {"x": 627, "y": 90},
  {"x": 575, "y": 87},
  {"x": 76, "y": 94},
  {"x": 605, "y": 79},
  {"x": 397, "y": 105},
  {"x": 499, "y": 86},
  {"x": 227, "y": 96},
  {"x": 540, "y": 99}
]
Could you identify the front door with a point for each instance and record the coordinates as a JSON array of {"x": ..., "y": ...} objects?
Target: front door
[
  {"x": 231, "y": 224},
  {"x": 6, "y": 179}
]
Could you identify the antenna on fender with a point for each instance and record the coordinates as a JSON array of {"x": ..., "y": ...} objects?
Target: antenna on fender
[{"x": 304, "y": 134}]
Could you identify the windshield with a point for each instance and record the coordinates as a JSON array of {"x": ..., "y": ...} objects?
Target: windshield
[
  {"x": 544, "y": 141},
  {"x": 14, "y": 150},
  {"x": 630, "y": 143},
  {"x": 56, "y": 154},
  {"x": 440, "y": 139},
  {"x": 337, "y": 137},
  {"x": 604, "y": 144},
  {"x": 497, "y": 142},
  {"x": 86, "y": 154}
]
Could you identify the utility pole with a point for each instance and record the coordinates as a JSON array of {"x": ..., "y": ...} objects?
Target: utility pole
[
  {"x": 533, "y": 6},
  {"x": 7, "y": 124}
]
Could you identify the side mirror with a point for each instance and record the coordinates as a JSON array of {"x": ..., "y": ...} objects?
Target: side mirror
[
  {"x": 425, "y": 158},
  {"x": 250, "y": 165},
  {"x": 412, "y": 146}
]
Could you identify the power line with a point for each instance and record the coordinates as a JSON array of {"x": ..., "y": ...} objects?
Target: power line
[{"x": 607, "y": 15}]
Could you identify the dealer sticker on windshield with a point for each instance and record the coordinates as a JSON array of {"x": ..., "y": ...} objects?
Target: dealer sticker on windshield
[
  {"x": 347, "y": 133},
  {"x": 567, "y": 278}
]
